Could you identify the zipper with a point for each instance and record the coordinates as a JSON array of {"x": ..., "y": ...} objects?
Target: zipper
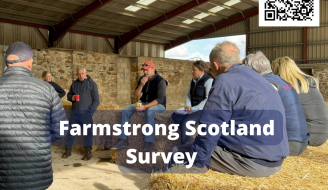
[
  {"x": 147, "y": 91},
  {"x": 193, "y": 90}
]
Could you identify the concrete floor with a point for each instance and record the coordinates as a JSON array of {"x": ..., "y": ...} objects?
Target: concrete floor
[{"x": 98, "y": 174}]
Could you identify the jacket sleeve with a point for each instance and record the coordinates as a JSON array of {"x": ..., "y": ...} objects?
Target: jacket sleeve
[
  {"x": 56, "y": 115},
  {"x": 188, "y": 97},
  {"x": 70, "y": 94},
  {"x": 217, "y": 110},
  {"x": 60, "y": 91},
  {"x": 95, "y": 98}
]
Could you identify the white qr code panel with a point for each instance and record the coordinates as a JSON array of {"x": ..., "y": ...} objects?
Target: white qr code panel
[{"x": 289, "y": 13}]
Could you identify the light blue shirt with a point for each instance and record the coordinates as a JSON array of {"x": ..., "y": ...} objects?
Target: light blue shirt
[{"x": 200, "y": 106}]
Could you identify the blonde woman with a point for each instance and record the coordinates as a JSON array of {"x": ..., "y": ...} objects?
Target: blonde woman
[
  {"x": 46, "y": 75},
  {"x": 313, "y": 104}
]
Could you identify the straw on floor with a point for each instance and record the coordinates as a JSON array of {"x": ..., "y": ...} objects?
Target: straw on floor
[{"x": 307, "y": 171}]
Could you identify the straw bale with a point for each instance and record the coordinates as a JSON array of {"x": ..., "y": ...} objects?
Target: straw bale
[
  {"x": 307, "y": 171},
  {"x": 99, "y": 117},
  {"x": 161, "y": 143}
]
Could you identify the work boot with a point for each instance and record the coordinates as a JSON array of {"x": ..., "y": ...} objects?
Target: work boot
[
  {"x": 87, "y": 156},
  {"x": 66, "y": 154},
  {"x": 120, "y": 143},
  {"x": 147, "y": 146}
]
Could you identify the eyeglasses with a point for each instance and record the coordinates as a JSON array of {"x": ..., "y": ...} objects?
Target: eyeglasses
[{"x": 146, "y": 64}]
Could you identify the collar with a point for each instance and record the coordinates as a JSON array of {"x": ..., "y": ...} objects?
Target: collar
[
  {"x": 18, "y": 70},
  {"x": 198, "y": 78},
  {"x": 154, "y": 76},
  {"x": 235, "y": 66}
]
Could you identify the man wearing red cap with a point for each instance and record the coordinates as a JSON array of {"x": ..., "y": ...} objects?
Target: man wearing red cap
[{"x": 153, "y": 89}]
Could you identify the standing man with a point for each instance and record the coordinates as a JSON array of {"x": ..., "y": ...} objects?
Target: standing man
[
  {"x": 153, "y": 89},
  {"x": 85, "y": 100},
  {"x": 30, "y": 115},
  {"x": 239, "y": 95}
]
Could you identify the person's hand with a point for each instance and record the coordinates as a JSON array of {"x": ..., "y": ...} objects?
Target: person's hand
[
  {"x": 142, "y": 108},
  {"x": 188, "y": 109},
  {"x": 73, "y": 98},
  {"x": 143, "y": 81}
]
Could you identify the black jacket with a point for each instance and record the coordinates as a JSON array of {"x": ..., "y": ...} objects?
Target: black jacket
[
  {"x": 89, "y": 97},
  {"x": 155, "y": 89},
  {"x": 197, "y": 90},
  {"x": 29, "y": 123},
  {"x": 60, "y": 91}
]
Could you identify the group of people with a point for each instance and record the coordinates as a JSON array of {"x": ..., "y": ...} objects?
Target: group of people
[
  {"x": 253, "y": 84},
  {"x": 222, "y": 93}
]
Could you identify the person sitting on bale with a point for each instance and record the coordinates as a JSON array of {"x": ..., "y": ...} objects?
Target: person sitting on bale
[
  {"x": 239, "y": 95},
  {"x": 195, "y": 100},
  {"x": 314, "y": 106},
  {"x": 153, "y": 89},
  {"x": 295, "y": 120}
]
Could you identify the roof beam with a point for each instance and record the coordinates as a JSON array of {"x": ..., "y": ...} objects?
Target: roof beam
[
  {"x": 62, "y": 27},
  {"x": 36, "y": 5},
  {"x": 127, "y": 37},
  {"x": 210, "y": 29}
]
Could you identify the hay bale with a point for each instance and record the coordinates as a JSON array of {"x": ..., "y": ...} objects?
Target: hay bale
[
  {"x": 99, "y": 117},
  {"x": 307, "y": 171},
  {"x": 161, "y": 143}
]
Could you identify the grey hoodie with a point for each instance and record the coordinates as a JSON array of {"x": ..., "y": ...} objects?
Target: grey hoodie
[
  {"x": 89, "y": 97},
  {"x": 315, "y": 109}
]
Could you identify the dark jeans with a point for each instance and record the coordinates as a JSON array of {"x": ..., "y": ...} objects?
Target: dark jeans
[
  {"x": 225, "y": 161},
  {"x": 182, "y": 121},
  {"x": 80, "y": 119}
]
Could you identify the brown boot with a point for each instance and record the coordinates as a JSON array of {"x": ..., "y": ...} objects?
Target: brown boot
[
  {"x": 87, "y": 156},
  {"x": 66, "y": 154}
]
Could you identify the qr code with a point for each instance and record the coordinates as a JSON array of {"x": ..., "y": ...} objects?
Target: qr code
[{"x": 289, "y": 13}]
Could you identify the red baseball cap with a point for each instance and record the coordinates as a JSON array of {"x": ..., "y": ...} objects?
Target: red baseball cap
[{"x": 148, "y": 65}]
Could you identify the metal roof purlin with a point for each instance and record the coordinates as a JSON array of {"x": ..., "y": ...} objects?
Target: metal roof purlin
[
  {"x": 69, "y": 22},
  {"x": 127, "y": 37},
  {"x": 212, "y": 28}
]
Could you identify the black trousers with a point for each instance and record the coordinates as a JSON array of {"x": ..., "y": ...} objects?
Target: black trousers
[{"x": 182, "y": 121}]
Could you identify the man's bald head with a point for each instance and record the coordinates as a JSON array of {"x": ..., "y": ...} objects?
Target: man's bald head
[{"x": 226, "y": 53}]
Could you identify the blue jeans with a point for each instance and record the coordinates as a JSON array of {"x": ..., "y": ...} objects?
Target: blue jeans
[{"x": 149, "y": 119}]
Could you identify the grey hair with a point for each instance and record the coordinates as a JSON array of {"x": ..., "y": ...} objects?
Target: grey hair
[
  {"x": 226, "y": 53},
  {"x": 258, "y": 62},
  {"x": 81, "y": 67}
]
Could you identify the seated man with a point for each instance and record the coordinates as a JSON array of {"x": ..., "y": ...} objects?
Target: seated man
[
  {"x": 153, "y": 89},
  {"x": 242, "y": 96},
  {"x": 295, "y": 120}
]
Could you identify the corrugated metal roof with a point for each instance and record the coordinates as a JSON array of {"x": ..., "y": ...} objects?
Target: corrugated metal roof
[{"x": 113, "y": 19}]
